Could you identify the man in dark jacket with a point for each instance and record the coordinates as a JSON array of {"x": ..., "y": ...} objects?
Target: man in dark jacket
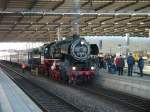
[
  {"x": 130, "y": 62},
  {"x": 121, "y": 65},
  {"x": 109, "y": 63},
  {"x": 141, "y": 65}
]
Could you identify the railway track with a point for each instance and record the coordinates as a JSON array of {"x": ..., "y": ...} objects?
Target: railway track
[
  {"x": 47, "y": 101},
  {"x": 135, "y": 103}
]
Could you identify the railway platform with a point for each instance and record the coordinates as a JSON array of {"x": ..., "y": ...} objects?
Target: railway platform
[
  {"x": 12, "y": 98},
  {"x": 135, "y": 85},
  {"x": 146, "y": 70}
]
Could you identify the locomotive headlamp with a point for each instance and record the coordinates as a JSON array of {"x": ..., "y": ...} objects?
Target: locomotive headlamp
[
  {"x": 82, "y": 42},
  {"x": 92, "y": 68},
  {"x": 73, "y": 68}
]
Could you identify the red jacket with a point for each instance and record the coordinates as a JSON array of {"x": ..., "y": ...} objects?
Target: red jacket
[{"x": 117, "y": 61}]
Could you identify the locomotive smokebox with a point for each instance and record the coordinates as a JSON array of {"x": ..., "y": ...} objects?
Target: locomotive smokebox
[{"x": 80, "y": 49}]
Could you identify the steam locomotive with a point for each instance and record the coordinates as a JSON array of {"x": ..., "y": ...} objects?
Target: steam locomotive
[{"x": 72, "y": 59}]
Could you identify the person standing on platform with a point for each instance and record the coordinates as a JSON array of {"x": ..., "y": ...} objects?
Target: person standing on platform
[
  {"x": 117, "y": 63},
  {"x": 121, "y": 65},
  {"x": 101, "y": 62},
  {"x": 109, "y": 63},
  {"x": 130, "y": 62},
  {"x": 141, "y": 65}
]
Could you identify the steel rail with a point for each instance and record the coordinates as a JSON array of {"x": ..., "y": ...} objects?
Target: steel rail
[{"x": 43, "y": 98}]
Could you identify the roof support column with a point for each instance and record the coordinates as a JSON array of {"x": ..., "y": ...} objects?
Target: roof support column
[
  {"x": 149, "y": 32},
  {"x": 127, "y": 43},
  {"x": 75, "y": 23},
  {"x": 58, "y": 33}
]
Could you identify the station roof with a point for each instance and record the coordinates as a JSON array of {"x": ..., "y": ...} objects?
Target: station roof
[{"x": 38, "y": 20}]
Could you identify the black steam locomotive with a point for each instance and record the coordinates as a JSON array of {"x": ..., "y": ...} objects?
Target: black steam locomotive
[{"x": 72, "y": 59}]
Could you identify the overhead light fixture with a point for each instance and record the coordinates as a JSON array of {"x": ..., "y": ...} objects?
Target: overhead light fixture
[
  {"x": 99, "y": 14},
  {"x": 89, "y": 23},
  {"x": 61, "y": 23},
  {"x": 94, "y": 29},
  {"x": 116, "y": 14},
  {"x": 147, "y": 29},
  {"x": 47, "y": 23},
  {"x": 133, "y": 14},
  {"x": 73, "y": 13},
  {"x": 125, "y": 29},
  {"x": 103, "y": 23},
  {"x": 136, "y": 29},
  {"x": 142, "y": 23},
  {"x": 116, "y": 23},
  {"x": 105, "y": 29},
  {"x": 129, "y": 23}
]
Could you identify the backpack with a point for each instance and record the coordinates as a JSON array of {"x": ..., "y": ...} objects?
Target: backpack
[
  {"x": 122, "y": 64},
  {"x": 130, "y": 60},
  {"x": 117, "y": 61}
]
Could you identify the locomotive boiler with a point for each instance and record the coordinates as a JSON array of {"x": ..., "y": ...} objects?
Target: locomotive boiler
[{"x": 72, "y": 59}]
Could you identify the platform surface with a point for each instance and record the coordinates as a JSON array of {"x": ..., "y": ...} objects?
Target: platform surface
[
  {"x": 135, "y": 85},
  {"x": 135, "y": 75},
  {"x": 12, "y": 98},
  {"x": 146, "y": 70}
]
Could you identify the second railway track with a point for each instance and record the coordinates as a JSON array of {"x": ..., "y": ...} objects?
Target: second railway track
[
  {"x": 136, "y": 104},
  {"x": 47, "y": 101}
]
